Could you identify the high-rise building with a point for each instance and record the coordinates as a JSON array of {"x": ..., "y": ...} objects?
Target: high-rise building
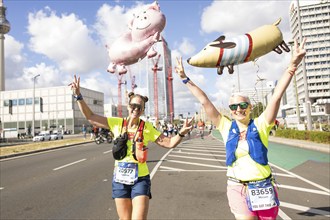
[
  {"x": 315, "y": 26},
  {"x": 160, "y": 89}
]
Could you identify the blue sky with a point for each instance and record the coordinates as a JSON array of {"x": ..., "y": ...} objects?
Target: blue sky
[{"x": 57, "y": 39}]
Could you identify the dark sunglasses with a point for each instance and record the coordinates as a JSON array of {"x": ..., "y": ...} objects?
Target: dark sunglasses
[
  {"x": 242, "y": 105},
  {"x": 135, "y": 106}
]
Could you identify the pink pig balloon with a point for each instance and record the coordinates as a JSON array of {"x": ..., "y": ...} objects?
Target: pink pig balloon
[{"x": 137, "y": 43}]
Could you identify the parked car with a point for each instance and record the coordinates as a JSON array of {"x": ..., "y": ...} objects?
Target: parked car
[
  {"x": 56, "y": 136},
  {"x": 42, "y": 137}
]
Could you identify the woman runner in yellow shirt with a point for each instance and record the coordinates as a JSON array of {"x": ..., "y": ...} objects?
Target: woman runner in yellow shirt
[{"x": 131, "y": 182}]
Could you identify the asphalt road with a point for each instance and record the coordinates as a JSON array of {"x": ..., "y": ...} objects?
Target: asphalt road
[{"x": 188, "y": 182}]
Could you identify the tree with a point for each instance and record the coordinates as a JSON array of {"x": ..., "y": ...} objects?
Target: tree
[{"x": 257, "y": 110}]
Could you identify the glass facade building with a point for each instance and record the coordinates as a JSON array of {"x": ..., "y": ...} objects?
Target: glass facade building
[{"x": 55, "y": 109}]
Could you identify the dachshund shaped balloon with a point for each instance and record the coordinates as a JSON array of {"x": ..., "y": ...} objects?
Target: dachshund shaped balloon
[
  {"x": 137, "y": 43},
  {"x": 228, "y": 52}
]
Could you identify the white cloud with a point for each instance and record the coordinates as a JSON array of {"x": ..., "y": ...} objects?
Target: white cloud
[
  {"x": 113, "y": 21},
  {"x": 13, "y": 58},
  {"x": 49, "y": 76},
  {"x": 186, "y": 47},
  {"x": 66, "y": 40},
  {"x": 238, "y": 17}
]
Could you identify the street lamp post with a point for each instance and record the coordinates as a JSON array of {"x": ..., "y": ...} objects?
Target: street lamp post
[
  {"x": 307, "y": 100},
  {"x": 238, "y": 81},
  {"x": 262, "y": 90},
  {"x": 33, "y": 103}
]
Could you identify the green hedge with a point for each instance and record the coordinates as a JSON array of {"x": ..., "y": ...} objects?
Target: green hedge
[{"x": 315, "y": 136}]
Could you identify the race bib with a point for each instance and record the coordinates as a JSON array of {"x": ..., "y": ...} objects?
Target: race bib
[
  {"x": 261, "y": 195},
  {"x": 126, "y": 173}
]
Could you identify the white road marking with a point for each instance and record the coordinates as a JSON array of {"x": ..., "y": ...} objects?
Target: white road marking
[
  {"x": 198, "y": 150},
  {"x": 189, "y": 153},
  {"x": 189, "y": 150},
  {"x": 69, "y": 164},
  {"x": 282, "y": 174},
  {"x": 305, "y": 209},
  {"x": 106, "y": 152},
  {"x": 283, "y": 215},
  {"x": 171, "y": 168},
  {"x": 154, "y": 170},
  {"x": 197, "y": 158},
  {"x": 304, "y": 189},
  {"x": 1, "y": 188},
  {"x": 197, "y": 164},
  {"x": 303, "y": 179},
  {"x": 205, "y": 148},
  {"x": 208, "y": 171}
]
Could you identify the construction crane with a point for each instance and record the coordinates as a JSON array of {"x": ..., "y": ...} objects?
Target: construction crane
[
  {"x": 132, "y": 77},
  {"x": 169, "y": 79},
  {"x": 120, "y": 82},
  {"x": 155, "y": 69},
  {"x": 133, "y": 85}
]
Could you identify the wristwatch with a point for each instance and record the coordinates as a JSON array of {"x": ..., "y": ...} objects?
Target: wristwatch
[
  {"x": 78, "y": 97},
  {"x": 186, "y": 80}
]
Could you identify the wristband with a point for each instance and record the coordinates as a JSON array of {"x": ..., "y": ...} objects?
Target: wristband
[
  {"x": 186, "y": 80},
  {"x": 181, "y": 135},
  {"x": 78, "y": 97}
]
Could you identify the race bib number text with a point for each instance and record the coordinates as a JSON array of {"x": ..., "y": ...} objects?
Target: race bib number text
[{"x": 126, "y": 173}]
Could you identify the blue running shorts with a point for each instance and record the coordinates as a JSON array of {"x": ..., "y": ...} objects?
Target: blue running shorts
[{"x": 141, "y": 187}]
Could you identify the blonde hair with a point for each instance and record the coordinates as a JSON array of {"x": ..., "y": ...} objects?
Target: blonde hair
[{"x": 240, "y": 94}]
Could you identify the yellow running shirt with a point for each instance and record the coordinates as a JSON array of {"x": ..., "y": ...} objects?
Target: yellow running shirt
[{"x": 149, "y": 134}]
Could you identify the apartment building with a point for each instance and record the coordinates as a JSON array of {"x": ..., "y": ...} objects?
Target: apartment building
[{"x": 315, "y": 25}]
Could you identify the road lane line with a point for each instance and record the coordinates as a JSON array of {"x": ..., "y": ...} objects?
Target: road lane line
[
  {"x": 282, "y": 174},
  {"x": 302, "y": 178},
  {"x": 197, "y": 164},
  {"x": 206, "y": 171},
  {"x": 69, "y": 164},
  {"x": 106, "y": 152},
  {"x": 171, "y": 168},
  {"x": 305, "y": 209},
  {"x": 283, "y": 215},
  {"x": 203, "y": 148},
  {"x": 1, "y": 188},
  {"x": 197, "y": 158},
  {"x": 189, "y": 153},
  {"x": 304, "y": 189},
  {"x": 154, "y": 170},
  {"x": 216, "y": 151}
]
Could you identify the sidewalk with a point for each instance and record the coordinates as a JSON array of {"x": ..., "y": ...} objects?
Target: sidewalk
[{"x": 301, "y": 143}]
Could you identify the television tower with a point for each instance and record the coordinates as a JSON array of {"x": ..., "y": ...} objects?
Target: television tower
[{"x": 4, "y": 29}]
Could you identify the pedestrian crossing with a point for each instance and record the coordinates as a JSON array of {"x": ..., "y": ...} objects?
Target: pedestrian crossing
[{"x": 208, "y": 155}]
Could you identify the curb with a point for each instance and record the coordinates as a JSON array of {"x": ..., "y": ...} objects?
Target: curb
[
  {"x": 41, "y": 150},
  {"x": 301, "y": 144}
]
